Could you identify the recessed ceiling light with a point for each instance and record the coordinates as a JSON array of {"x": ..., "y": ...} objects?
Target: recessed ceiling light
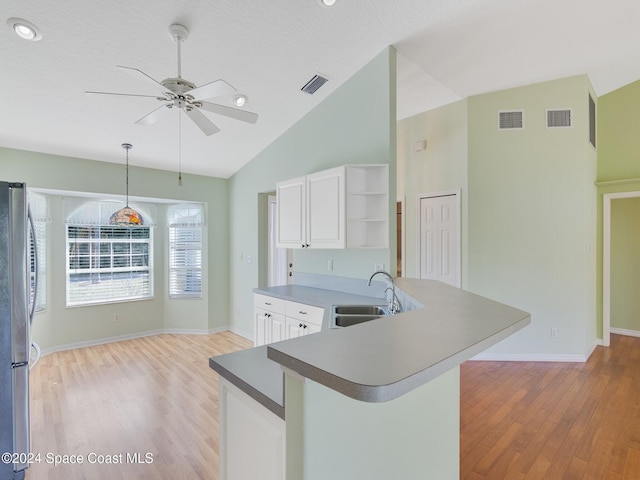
[
  {"x": 239, "y": 100},
  {"x": 25, "y": 29},
  {"x": 327, "y": 3}
]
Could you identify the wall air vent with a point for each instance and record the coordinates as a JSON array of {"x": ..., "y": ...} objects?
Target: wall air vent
[
  {"x": 314, "y": 84},
  {"x": 559, "y": 118},
  {"x": 512, "y": 120}
]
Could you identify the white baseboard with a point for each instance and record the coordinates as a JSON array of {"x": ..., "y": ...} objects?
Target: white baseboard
[
  {"x": 623, "y": 331},
  {"x": 242, "y": 333},
  {"x": 119, "y": 338},
  {"x": 529, "y": 357}
]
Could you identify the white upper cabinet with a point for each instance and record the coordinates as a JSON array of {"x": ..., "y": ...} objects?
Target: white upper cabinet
[
  {"x": 343, "y": 207},
  {"x": 292, "y": 211},
  {"x": 325, "y": 209}
]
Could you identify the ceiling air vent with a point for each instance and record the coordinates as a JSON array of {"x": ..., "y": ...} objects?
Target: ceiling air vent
[
  {"x": 314, "y": 84},
  {"x": 558, "y": 118},
  {"x": 512, "y": 120}
]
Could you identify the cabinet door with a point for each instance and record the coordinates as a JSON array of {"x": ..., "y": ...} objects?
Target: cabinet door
[
  {"x": 277, "y": 327},
  {"x": 291, "y": 218},
  {"x": 326, "y": 209},
  {"x": 260, "y": 327},
  {"x": 310, "y": 328},
  {"x": 294, "y": 328}
]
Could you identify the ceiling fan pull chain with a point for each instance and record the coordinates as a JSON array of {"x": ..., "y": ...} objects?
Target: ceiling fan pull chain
[
  {"x": 178, "y": 41},
  {"x": 179, "y": 148}
]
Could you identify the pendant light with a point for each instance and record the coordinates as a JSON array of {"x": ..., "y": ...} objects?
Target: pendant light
[{"x": 126, "y": 217}]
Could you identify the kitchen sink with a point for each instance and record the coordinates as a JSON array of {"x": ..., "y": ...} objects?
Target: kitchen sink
[
  {"x": 360, "y": 310},
  {"x": 349, "y": 320},
  {"x": 348, "y": 315}
]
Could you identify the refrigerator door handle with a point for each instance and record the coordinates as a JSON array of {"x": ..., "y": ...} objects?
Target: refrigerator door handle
[{"x": 34, "y": 240}]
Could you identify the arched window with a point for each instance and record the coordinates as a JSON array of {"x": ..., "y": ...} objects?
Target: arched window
[
  {"x": 107, "y": 263},
  {"x": 186, "y": 225}
]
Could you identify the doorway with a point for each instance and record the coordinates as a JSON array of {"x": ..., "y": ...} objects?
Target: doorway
[
  {"x": 280, "y": 260},
  {"x": 607, "y": 260},
  {"x": 439, "y": 237}
]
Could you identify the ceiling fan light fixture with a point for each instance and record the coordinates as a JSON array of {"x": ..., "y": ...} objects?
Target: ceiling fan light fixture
[
  {"x": 239, "y": 99},
  {"x": 25, "y": 29}
]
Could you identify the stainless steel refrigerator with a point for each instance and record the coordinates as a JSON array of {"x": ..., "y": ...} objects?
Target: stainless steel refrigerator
[{"x": 17, "y": 302}]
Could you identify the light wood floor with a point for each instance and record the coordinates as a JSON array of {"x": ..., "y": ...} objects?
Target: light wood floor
[
  {"x": 158, "y": 395},
  {"x": 152, "y": 395}
]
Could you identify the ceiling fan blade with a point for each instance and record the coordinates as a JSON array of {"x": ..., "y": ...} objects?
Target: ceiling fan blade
[
  {"x": 151, "y": 118},
  {"x": 121, "y": 94},
  {"x": 141, "y": 75},
  {"x": 231, "y": 112},
  {"x": 203, "y": 123},
  {"x": 217, "y": 88}
]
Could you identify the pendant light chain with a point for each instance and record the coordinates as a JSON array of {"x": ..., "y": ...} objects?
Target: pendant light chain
[{"x": 127, "y": 146}]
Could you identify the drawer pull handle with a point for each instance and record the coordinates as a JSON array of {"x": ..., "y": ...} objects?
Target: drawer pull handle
[
  {"x": 303, "y": 313},
  {"x": 300, "y": 325},
  {"x": 267, "y": 303}
]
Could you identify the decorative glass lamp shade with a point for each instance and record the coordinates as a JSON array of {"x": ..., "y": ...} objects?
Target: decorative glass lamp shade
[{"x": 127, "y": 216}]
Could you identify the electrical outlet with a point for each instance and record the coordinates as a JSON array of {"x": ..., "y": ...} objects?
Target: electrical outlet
[
  {"x": 116, "y": 318},
  {"x": 330, "y": 265},
  {"x": 554, "y": 332},
  {"x": 379, "y": 267}
]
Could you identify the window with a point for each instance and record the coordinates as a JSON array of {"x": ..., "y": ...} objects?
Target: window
[
  {"x": 38, "y": 243},
  {"x": 107, "y": 263},
  {"x": 185, "y": 250}
]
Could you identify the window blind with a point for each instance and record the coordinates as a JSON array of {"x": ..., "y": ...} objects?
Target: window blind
[
  {"x": 108, "y": 264},
  {"x": 185, "y": 250}
]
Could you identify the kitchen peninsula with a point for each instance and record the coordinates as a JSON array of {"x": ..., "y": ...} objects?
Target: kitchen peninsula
[{"x": 375, "y": 400}]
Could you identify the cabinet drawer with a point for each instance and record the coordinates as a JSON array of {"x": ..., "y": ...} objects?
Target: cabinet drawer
[
  {"x": 301, "y": 311},
  {"x": 272, "y": 304}
]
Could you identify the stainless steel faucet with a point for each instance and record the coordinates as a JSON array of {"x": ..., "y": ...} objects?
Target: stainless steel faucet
[{"x": 394, "y": 303}]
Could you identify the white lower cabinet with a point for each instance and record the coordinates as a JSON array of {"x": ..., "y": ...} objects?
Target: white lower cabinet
[
  {"x": 302, "y": 319},
  {"x": 252, "y": 438},
  {"x": 268, "y": 319},
  {"x": 276, "y": 319}
]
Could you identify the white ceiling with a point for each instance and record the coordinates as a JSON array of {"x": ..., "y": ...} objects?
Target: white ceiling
[{"x": 448, "y": 50}]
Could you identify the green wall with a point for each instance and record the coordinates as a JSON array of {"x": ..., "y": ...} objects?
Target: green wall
[
  {"x": 532, "y": 222},
  {"x": 442, "y": 166},
  {"x": 355, "y": 124},
  {"x": 59, "y": 326},
  {"x": 528, "y": 208},
  {"x": 618, "y": 139}
]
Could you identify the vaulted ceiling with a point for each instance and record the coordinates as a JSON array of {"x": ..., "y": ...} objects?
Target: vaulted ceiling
[{"x": 267, "y": 50}]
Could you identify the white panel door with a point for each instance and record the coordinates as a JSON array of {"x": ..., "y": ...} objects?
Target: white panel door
[{"x": 439, "y": 239}]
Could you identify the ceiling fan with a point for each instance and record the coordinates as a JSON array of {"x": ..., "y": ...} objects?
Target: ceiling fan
[{"x": 182, "y": 94}]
